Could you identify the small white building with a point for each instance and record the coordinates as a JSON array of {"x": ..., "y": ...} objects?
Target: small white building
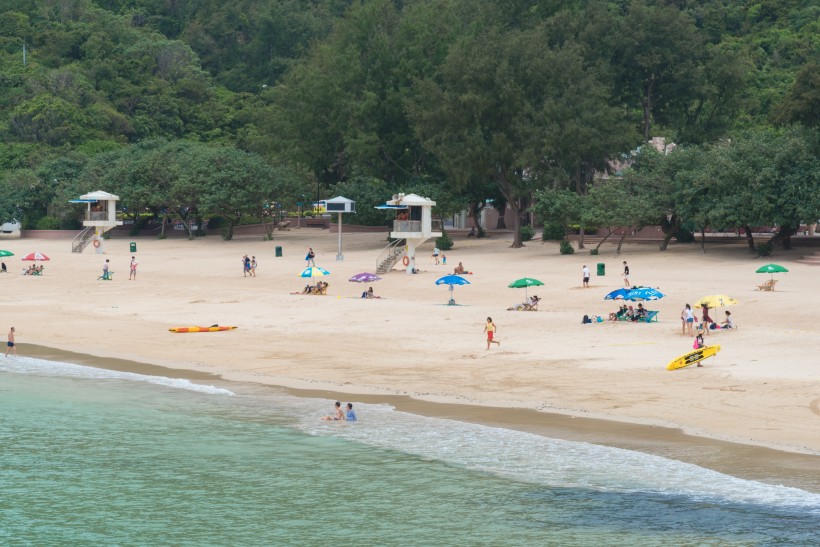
[
  {"x": 414, "y": 223},
  {"x": 100, "y": 216}
]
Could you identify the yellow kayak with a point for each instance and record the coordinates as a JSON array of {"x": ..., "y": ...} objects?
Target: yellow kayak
[{"x": 200, "y": 329}]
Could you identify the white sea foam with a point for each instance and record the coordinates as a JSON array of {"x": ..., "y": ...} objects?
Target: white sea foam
[
  {"x": 30, "y": 365},
  {"x": 553, "y": 462}
]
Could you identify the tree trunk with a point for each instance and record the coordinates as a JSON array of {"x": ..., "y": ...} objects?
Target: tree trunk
[
  {"x": 703, "y": 239},
  {"x": 670, "y": 224},
  {"x": 784, "y": 236},
  {"x": 750, "y": 240},
  {"x": 665, "y": 243},
  {"x": 621, "y": 241},
  {"x": 609, "y": 233},
  {"x": 162, "y": 229},
  {"x": 647, "y": 108},
  {"x": 581, "y": 237},
  {"x": 517, "y": 243}
]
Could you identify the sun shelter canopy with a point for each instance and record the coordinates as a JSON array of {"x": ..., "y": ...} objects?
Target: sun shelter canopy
[{"x": 99, "y": 195}]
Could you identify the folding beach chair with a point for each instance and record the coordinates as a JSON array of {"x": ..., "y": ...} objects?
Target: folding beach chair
[{"x": 107, "y": 276}]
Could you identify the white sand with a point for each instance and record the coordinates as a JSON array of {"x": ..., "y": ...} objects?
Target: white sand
[{"x": 762, "y": 388}]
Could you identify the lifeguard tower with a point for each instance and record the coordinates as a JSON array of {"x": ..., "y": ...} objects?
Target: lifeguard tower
[
  {"x": 100, "y": 216},
  {"x": 413, "y": 225}
]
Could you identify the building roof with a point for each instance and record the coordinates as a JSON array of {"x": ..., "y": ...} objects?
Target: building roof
[
  {"x": 99, "y": 195},
  {"x": 410, "y": 199}
]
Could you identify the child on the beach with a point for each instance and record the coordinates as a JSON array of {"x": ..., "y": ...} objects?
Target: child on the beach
[{"x": 490, "y": 329}]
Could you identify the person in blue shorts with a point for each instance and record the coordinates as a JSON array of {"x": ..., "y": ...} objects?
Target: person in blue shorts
[{"x": 10, "y": 344}]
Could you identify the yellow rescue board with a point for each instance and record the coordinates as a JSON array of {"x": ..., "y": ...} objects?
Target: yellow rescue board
[{"x": 693, "y": 357}]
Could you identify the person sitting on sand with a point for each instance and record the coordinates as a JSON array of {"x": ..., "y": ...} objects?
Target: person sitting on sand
[
  {"x": 614, "y": 316},
  {"x": 699, "y": 343},
  {"x": 338, "y": 414},
  {"x": 472, "y": 232},
  {"x": 3, "y": 268},
  {"x": 459, "y": 269},
  {"x": 369, "y": 293},
  {"x": 729, "y": 323},
  {"x": 640, "y": 313}
]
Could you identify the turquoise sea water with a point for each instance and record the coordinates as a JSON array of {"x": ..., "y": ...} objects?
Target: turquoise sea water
[{"x": 98, "y": 457}]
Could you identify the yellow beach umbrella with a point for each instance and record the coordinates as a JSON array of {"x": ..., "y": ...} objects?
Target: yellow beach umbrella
[{"x": 716, "y": 301}]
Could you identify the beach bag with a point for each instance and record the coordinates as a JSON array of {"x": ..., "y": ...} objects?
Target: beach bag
[{"x": 586, "y": 320}]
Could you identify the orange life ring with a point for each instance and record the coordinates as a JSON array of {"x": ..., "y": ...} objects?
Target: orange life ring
[
  {"x": 96, "y": 243},
  {"x": 405, "y": 260}
]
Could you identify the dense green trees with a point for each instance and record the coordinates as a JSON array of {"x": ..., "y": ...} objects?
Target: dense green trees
[{"x": 172, "y": 104}]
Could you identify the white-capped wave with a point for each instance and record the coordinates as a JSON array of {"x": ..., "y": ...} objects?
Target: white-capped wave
[
  {"x": 31, "y": 365},
  {"x": 553, "y": 462}
]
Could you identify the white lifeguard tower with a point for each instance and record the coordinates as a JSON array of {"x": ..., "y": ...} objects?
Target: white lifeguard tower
[
  {"x": 414, "y": 224},
  {"x": 100, "y": 216}
]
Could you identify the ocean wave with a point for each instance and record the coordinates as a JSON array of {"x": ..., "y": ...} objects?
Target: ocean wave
[
  {"x": 531, "y": 458},
  {"x": 31, "y": 365}
]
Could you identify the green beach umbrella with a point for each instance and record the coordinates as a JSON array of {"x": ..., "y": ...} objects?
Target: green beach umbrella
[
  {"x": 524, "y": 283},
  {"x": 771, "y": 269},
  {"x": 5, "y": 253}
]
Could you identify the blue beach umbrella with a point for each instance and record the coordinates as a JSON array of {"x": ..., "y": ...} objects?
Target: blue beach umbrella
[
  {"x": 617, "y": 294},
  {"x": 644, "y": 293},
  {"x": 452, "y": 280}
]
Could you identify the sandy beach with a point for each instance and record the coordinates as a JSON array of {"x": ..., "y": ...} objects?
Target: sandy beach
[{"x": 762, "y": 389}]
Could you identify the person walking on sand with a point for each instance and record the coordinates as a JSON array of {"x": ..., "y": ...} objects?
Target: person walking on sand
[
  {"x": 310, "y": 256},
  {"x": 626, "y": 274},
  {"x": 133, "y": 272},
  {"x": 585, "y": 273},
  {"x": 491, "y": 329},
  {"x": 435, "y": 254},
  {"x": 687, "y": 319},
  {"x": 253, "y": 266},
  {"x": 10, "y": 344}
]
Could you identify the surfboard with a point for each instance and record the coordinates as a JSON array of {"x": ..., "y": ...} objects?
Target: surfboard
[
  {"x": 693, "y": 357},
  {"x": 199, "y": 329}
]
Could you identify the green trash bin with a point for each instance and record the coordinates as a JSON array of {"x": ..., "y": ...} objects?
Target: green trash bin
[
  {"x": 278, "y": 250},
  {"x": 133, "y": 246},
  {"x": 601, "y": 268}
]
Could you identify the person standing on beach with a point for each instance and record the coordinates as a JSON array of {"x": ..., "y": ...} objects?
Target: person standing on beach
[
  {"x": 310, "y": 256},
  {"x": 626, "y": 274},
  {"x": 10, "y": 344},
  {"x": 585, "y": 273},
  {"x": 253, "y": 266},
  {"x": 490, "y": 329},
  {"x": 246, "y": 265},
  {"x": 444, "y": 259},
  {"x": 105, "y": 269},
  {"x": 133, "y": 273},
  {"x": 687, "y": 319}
]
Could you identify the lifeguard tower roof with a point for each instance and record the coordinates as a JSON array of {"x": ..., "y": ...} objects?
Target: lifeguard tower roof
[
  {"x": 99, "y": 195},
  {"x": 410, "y": 199}
]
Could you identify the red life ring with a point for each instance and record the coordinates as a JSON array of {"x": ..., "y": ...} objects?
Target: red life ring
[
  {"x": 96, "y": 243},
  {"x": 405, "y": 260}
]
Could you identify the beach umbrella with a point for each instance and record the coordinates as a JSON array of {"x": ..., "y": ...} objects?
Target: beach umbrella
[
  {"x": 364, "y": 277},
  {"x": 617, "y": 294},
  {"x": 643, "y": 293},
  {"x": 771, "y": 269},
  {"x": 716, "y": 301},
  {"x": 5, "y": 253},
  {"x": 36, "y": 256},
  {"x": 524, "y": 283},
  {"x": 452, "y": 280},
  {"x": 314, "y": 271}
]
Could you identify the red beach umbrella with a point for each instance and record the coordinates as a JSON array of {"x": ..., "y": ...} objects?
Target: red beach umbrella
[{"x": 36, "y": 256}]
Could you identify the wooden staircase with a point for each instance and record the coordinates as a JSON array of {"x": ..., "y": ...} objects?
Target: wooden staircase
[{"x": 812, "y": 259}]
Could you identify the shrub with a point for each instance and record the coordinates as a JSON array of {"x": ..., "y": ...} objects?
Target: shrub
[
  {"x": 527, "y": 233},
  {"x": 553, "y": 232},
  {"x": 444, "y": 242},
  {"x": 594, "y": 251},
  {"x": 48, "y": 223},
  {"x": 215, "y": 223},
  {"x": 684, "y": 236},
  {"x": 764, "y": 249},
  {"x": 567, "y": 248}
]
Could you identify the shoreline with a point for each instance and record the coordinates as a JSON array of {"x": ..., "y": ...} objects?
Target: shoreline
[{"x": 747, "y": 461}]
